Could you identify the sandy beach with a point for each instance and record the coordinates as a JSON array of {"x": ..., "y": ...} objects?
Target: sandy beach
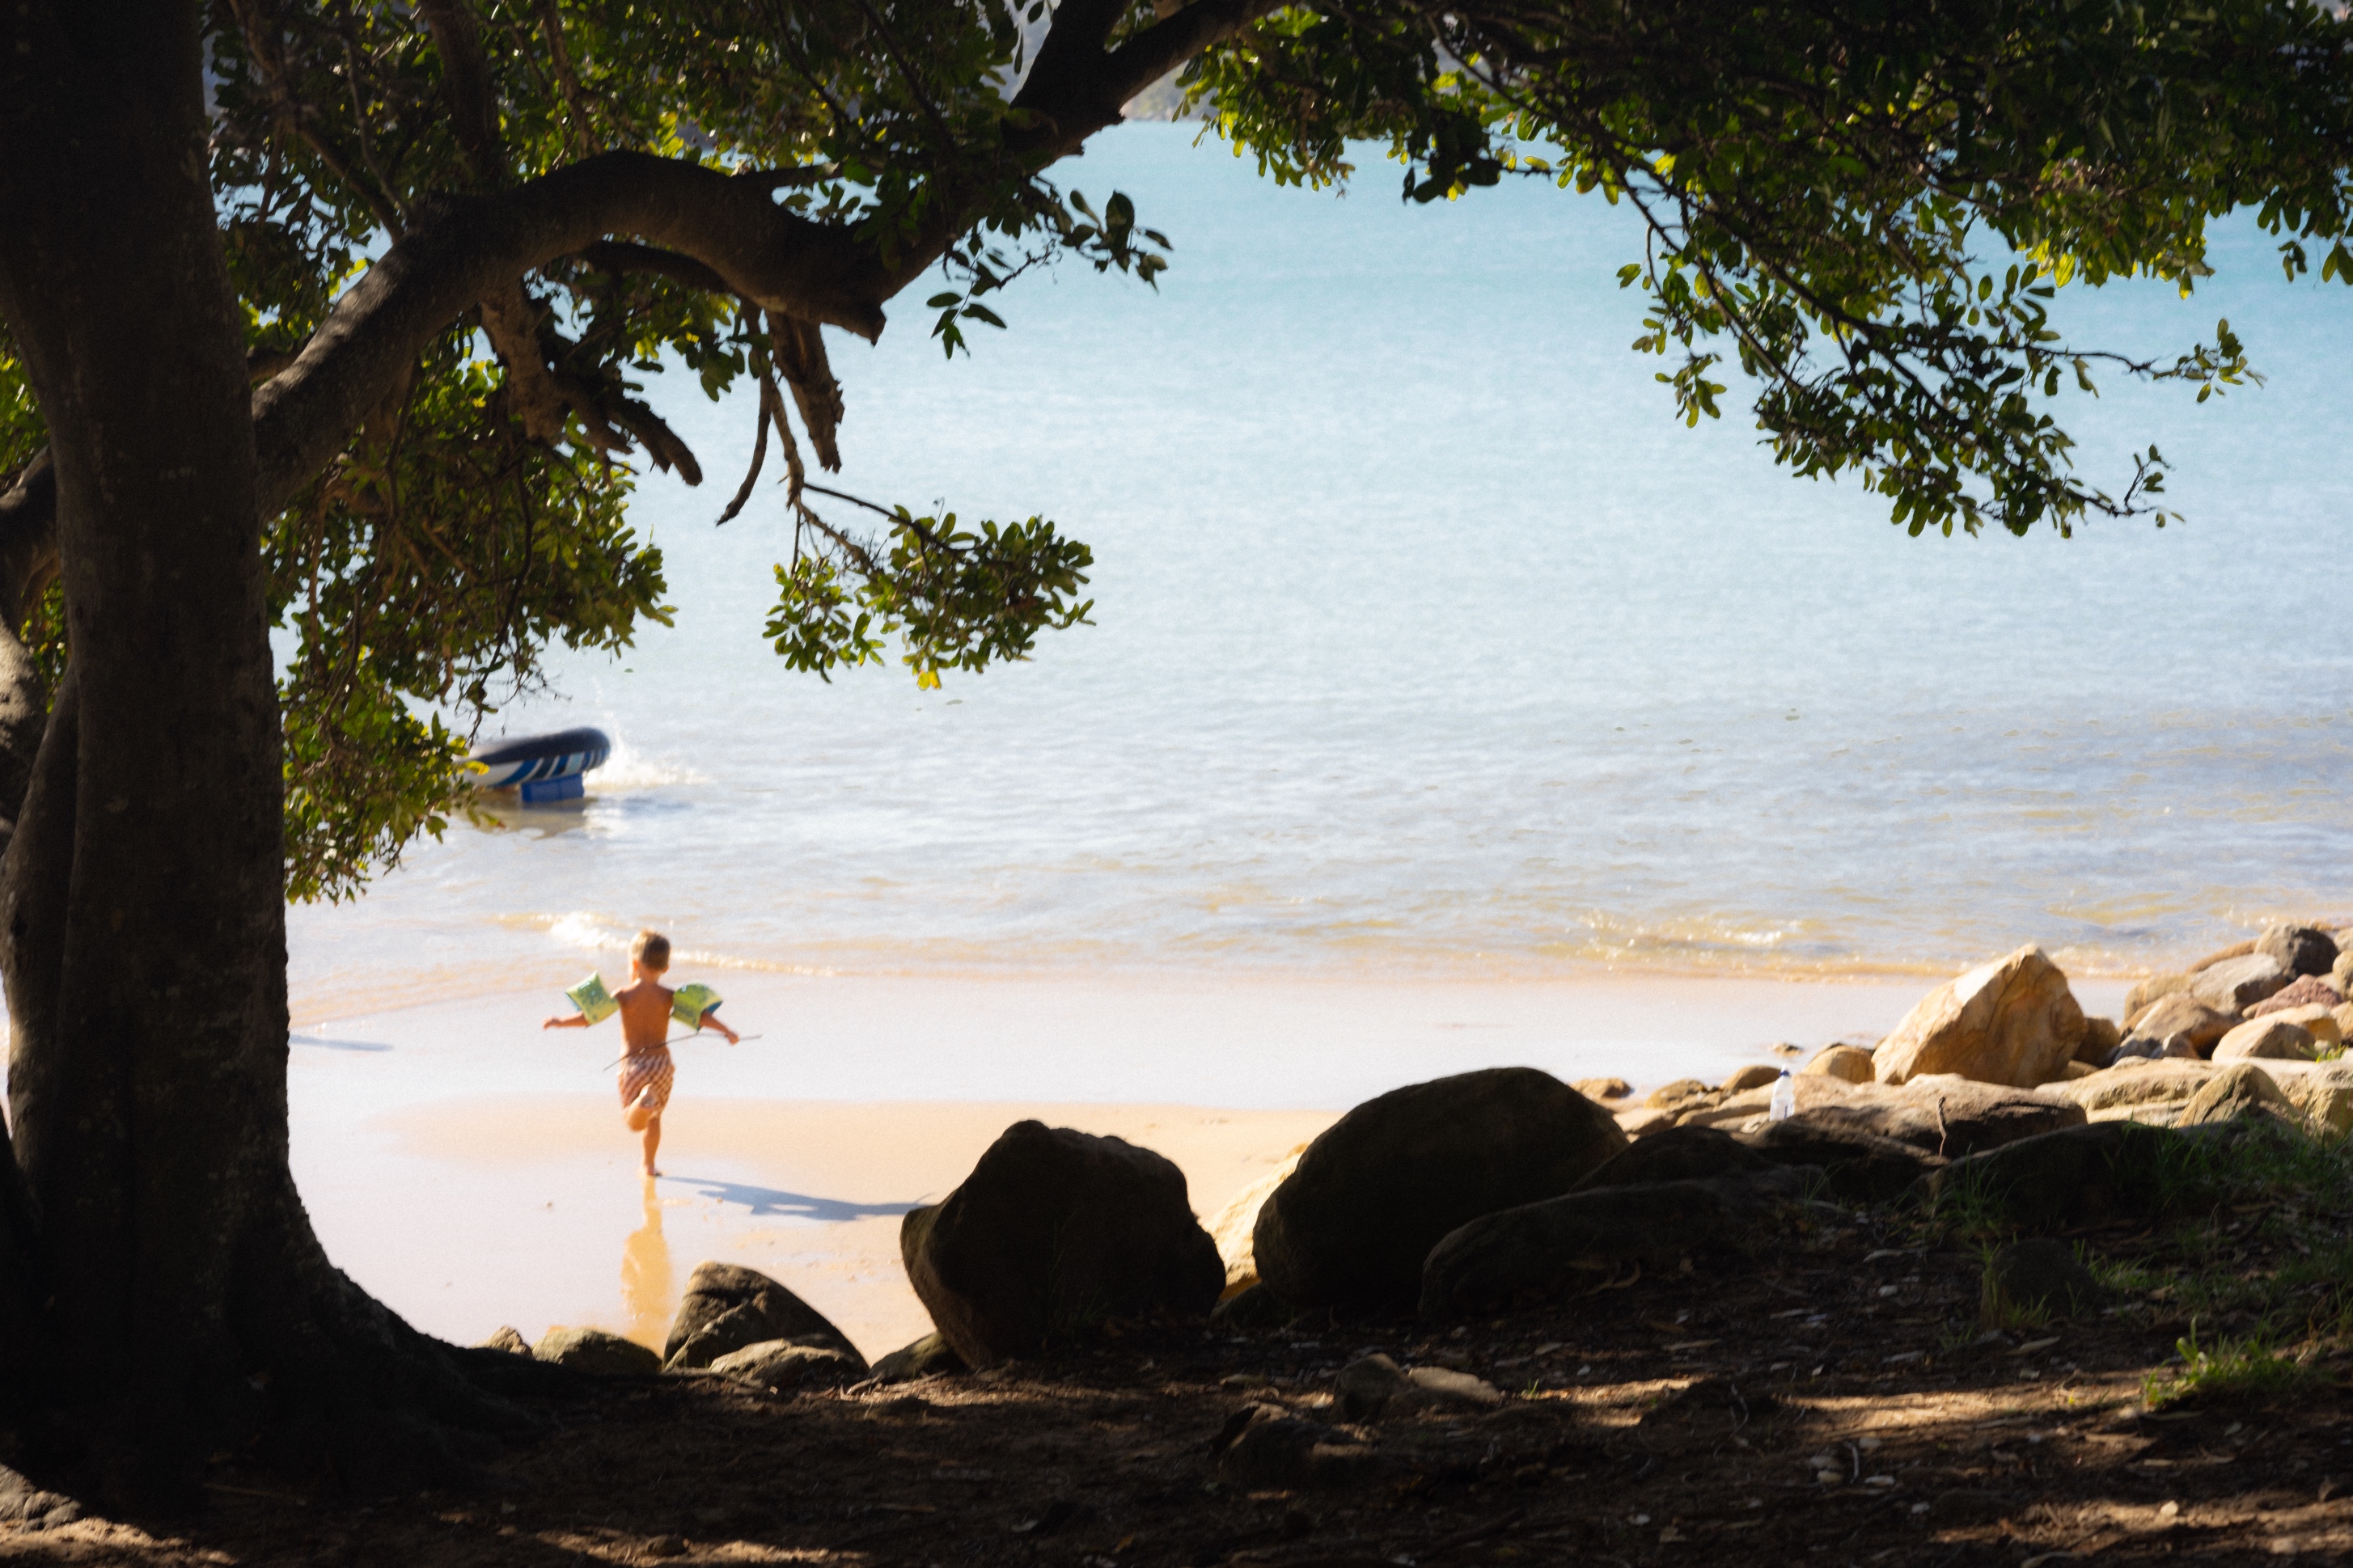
[{"x": 472, "y": 1170}]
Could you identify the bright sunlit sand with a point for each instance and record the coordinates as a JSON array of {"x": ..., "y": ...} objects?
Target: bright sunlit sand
[{"x": 472, "y": 1171}]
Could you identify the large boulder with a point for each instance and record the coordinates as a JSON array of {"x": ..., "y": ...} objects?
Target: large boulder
[
  {"x": 2149, "y": 993},
  {"x": 1579, "y": 1240},
  {"x": 2240, "y": 1090},
  {"x": 2083, "y": 1175},
  {"x": 2308, "y": 991},
  {"x": 1951, "y": 1116},
  {"x": 1850, "y": 1063},
  {"x": 727, "y": 1307},
  {"x": 2012, "y": 1021},
  {"x": 2301, "y": 950},
  {"x": 1858, "y": 1164},
  {"x": 1055, "y": 1231},
  {"x": 2340, "y": 973},
  {"x": 2320, "y": 1023},
  {"x": 2323, "y": 1091},
  {"x": 2236, "y": 985},
  {"x": 1678, "y": 1154},
  {"x": 2180, "y": 1025},
  {"x": 594, "y": 1349},
  {"x": 1378, "y": 1188},
  {"x": 2140, "y": 1091},
  {"x": 2261, "y": 1038}
]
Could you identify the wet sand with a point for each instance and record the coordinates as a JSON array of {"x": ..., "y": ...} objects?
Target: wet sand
[{"x": 472, "y": 1170}]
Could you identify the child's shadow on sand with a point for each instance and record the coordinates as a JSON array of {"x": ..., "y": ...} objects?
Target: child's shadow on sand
[{"x": 769, "y": 1203}]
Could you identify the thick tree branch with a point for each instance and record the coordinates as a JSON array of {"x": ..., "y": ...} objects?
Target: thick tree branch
[
  {"x": 620, "y": 256},
  {"x": 460, "y": 251}
]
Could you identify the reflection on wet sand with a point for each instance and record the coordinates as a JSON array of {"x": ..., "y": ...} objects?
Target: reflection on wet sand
[{"x": 646, "y": 1294}]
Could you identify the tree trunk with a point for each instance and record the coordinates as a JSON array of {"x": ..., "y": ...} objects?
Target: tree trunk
[{"x": 182, "y": 1302}]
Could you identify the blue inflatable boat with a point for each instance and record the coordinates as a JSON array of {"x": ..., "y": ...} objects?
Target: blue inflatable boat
[{"x": 543, "y": 768}]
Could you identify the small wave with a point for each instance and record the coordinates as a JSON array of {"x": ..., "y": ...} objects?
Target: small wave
[{"x": 630, "y": 769}]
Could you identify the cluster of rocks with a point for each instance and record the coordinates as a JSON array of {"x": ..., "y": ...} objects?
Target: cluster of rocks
[
  {"x": 733, "y": 1321},
  {"x": 1477, "y": 1192}
]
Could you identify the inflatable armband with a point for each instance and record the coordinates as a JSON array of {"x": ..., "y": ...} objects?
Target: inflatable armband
[
  {"x": 688, "y": 1004},
  {"x": 595, "y": 1003}
]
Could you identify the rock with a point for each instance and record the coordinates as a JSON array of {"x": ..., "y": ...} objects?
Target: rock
[
  {"x": 594, "y": 1349},
  {"x": 1374, "y": 1193},
  {"x": 2316, "y": 1020},
  {"x": 2078, "y": 1069},
  {"x": 23, "y": 1503},
  {"x": 2303, "y": 991},
  {"x": 2340, "y": 973},
  {"x": 1053, "y": 1232},
  {"x": 1255, "y": 1307},
  {"x": 2301, "y": 950},
  {"x": 2134, "y": 1087},
  {"x": 1852, "y": 1063},
  {"x": 1954, "y": 1116},
  {"x": 2322, "y": 1091},
  {"x": 2101, "y": 1038},
  {"x": 2261, "y": 1038},
  {"x": 2178, "y": 1025},
  {"x": 1728, "y": 1111},
  {"x": 727, "y": 1307},
  {"x": 1643, "y": 1122},
  {"x": 1758, "y": 1076},
  {"x": 1603, "y": 1088},
  {"x": 780, "y": 1365},
  {"x": 1232, "y": 1228},
  {"x": 1859, "y": 1165},
  {"x": 1266, "y": 1448},
  {"x": 1673, "y": 1096},
  {"x": 2081, "y": 1175},
  {"x": 2344, "y": 1016},
  {"x": 2236, "y": 985},
  {"x": 1678, "y": 1154},
  {"x": 2239, "y": 1092},
  {"x": 2236, "y": 949},
  {"x": 2036, "y": 1279},
  {"x": 930, "y": 1356},
  {"x": 1579, "y": 1240},
  {"x": 2012, "y": 1021},
  {"x": 2142, "y": 1050},
  {"x": 1372, "y": 1387},
  {"x": 507, "y": 1339},
  {"x": 2149, "y": 993}
]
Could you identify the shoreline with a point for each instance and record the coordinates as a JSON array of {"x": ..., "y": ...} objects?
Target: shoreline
[
  {"x": 472, "y": 1170},
  {"x": 337, "y": 999}
]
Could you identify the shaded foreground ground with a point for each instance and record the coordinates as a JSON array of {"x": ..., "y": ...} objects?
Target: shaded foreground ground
[{"x": 1835, "y": 1402}]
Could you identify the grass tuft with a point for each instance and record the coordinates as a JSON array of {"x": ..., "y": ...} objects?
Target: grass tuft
[{"x": 2230, "y": 1372}]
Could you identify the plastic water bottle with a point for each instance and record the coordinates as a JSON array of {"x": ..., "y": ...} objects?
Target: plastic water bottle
[{"x": 1785, "y": 1097}]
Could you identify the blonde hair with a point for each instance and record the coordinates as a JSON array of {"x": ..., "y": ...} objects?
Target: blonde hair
[{"x": 652, "y": 949}]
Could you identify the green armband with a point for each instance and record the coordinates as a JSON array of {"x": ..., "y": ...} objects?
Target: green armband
[
  {"x": 595, "y": 1003},
  {"x": 688, "y": 1004}
]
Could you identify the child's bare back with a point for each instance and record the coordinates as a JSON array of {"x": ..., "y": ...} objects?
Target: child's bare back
[{"x": 647, "y": 1071}]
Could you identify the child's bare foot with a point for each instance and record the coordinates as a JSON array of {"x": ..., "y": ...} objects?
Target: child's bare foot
[{"x": 652, "y": 1172}]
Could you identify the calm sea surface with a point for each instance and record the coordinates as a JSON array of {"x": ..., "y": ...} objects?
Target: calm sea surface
[{"x": 1429, "y": 642}]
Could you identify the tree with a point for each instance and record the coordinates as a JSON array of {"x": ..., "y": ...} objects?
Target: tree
[{"x": 333, "y": 317}]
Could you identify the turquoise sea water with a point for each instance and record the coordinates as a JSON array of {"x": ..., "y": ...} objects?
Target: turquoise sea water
[{"x": 1429, "y": 642}]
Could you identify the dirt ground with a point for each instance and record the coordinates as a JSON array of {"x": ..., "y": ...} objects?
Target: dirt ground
[{"x": 1836, "y": 1402}]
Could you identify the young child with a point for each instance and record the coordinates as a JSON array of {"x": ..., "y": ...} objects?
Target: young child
[{"x": 645, "y": 1005}]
